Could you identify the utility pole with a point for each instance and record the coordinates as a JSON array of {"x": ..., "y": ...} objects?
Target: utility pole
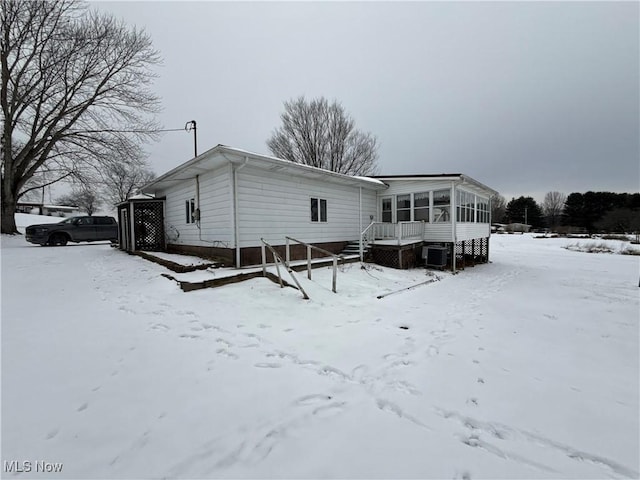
[
  {"x": 525, "y": 215},
  {"x": 192, "y": 126}
]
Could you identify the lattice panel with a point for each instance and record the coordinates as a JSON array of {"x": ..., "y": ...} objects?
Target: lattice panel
[
  {"x": 387, "y": 258},
  {"x": 148, "y": 225},
  {"x": 459, "y": 254},
  {"x": 481, "y": 251}
]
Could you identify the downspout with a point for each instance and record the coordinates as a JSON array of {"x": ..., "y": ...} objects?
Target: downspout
[
  {"x": 236, "y": 203},
  {"x": 360, "y": 222},
  {"x": 198, "y": 207}
]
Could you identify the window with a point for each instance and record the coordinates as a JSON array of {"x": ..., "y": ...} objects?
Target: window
[
  {"x": 483, "y": 210},
  {"x": 421, "y": 206},
  {"x": 403, "y": 208},
  {"x": 190, "y": 210},
  {"x": 441, "y": 205},
  {"x": 387, "y": 212},
  {"x": 85, "y": 221},
  {"x": 318, "y": 210},
  {"x": 465, "y": 206}
]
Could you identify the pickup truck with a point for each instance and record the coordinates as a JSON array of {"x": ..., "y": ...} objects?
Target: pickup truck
[{"x": 73, "y": 229}]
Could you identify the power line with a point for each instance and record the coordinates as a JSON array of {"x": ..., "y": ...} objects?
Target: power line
[{"x": 113, "y": 130}]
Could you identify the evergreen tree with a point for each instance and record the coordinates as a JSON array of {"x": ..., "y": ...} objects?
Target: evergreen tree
[{"x": 525, "y": 210}]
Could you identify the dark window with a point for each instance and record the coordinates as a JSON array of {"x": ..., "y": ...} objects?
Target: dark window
[
  {"x": 421, "y": 206},
  {"x": 387, "y": 213},
  {"x": 403, "y": 208},
  {"x": 85, "y": 221},
  {"x": 190, "y": 210},
  {"x": 318, "y": 210}
]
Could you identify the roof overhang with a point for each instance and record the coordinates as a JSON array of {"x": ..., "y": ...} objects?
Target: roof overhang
[
  {"x": 455, "y": 177},
  {"x": 221, "y": 155}
]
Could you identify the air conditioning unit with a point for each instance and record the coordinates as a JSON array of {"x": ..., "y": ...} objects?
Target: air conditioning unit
[{"x": 435, "y": 256}]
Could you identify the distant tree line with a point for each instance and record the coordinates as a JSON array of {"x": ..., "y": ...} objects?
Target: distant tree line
[{"x": 590, "y": 211}]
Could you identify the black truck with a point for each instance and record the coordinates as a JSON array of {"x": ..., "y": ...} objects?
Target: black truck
[{"x": 74, "y": 229}]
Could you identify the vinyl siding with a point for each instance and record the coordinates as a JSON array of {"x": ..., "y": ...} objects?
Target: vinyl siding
[
  {"x": 273, "y": 205},
  {"x": 469, "y": 231},
  {"x": 215, "y": 210}
]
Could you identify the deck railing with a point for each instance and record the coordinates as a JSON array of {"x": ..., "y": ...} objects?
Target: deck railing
[
  {"x": 410, "y": 230},
  {"x": 392, "y": 231}
]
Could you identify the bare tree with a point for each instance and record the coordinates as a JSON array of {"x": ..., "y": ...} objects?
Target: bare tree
[
  {"x": 75, "y": 93},
  {"x": 84, "y": 197},
  {"x": 122, "y": 180},
  {"x": 323, "y": 135},
  {"x": 552, "y": 208},
  {"x": 498, "y": 208}
]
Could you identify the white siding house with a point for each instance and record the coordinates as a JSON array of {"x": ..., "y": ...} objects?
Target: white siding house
[{"x": 225, "y": 201}]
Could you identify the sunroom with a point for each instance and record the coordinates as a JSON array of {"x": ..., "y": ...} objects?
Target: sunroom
[{"x": 451, "y": 211}]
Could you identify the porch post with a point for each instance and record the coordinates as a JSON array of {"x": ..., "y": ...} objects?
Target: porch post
[{"x": 360, "y": 223}]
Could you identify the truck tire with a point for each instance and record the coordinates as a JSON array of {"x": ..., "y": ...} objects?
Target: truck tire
[{"x": 58, "y": 239}]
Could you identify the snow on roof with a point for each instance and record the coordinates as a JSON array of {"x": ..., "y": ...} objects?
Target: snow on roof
[{"x": 199, "y": 165}]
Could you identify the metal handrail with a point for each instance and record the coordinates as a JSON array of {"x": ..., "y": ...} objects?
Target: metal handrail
[
  {"x": 309, "y": 247},
  {"x": 277, "y": 258},
  {"x": 364, "y": 239}
]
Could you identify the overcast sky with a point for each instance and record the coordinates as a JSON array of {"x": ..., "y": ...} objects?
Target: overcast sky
[{"x": 526, "y": 97}]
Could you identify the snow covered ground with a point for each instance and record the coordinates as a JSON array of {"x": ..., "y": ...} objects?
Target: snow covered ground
[{"x": 527, "y": 367}]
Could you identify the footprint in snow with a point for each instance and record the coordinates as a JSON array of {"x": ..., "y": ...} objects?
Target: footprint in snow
[
  {"x": 52, "y": 433},
  {"x": 82, "y": 407},
  {"x": 313, "y": 399},
  {"x": 160, "y": 326},
  {"x": 226, "y": 353},
  {"x": 188, "y": 335},
  {"x": 267, "y": 365}
]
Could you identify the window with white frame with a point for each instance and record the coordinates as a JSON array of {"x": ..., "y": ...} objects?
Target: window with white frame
[
  {"x": 190, "y": 210},
  {"x": 387, "y": 210},
  {"x": 421, "y": 206},
  {"x": 318, "y": 210},
  {"x": 442, "y": 205},
  {"x": 403, "y": 208},
  {"x": 483, "y": 210},
  {"x": 465, "y": 206}
]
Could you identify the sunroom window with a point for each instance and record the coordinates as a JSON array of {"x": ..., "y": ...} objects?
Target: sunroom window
[
  {"x": 483, "y": 210},
  {"x": 421, "y": 206},
  {"x": 465, "y": 206},
  {"x": 403, "y": 208},
  {"x": 442, "y": 206}
]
